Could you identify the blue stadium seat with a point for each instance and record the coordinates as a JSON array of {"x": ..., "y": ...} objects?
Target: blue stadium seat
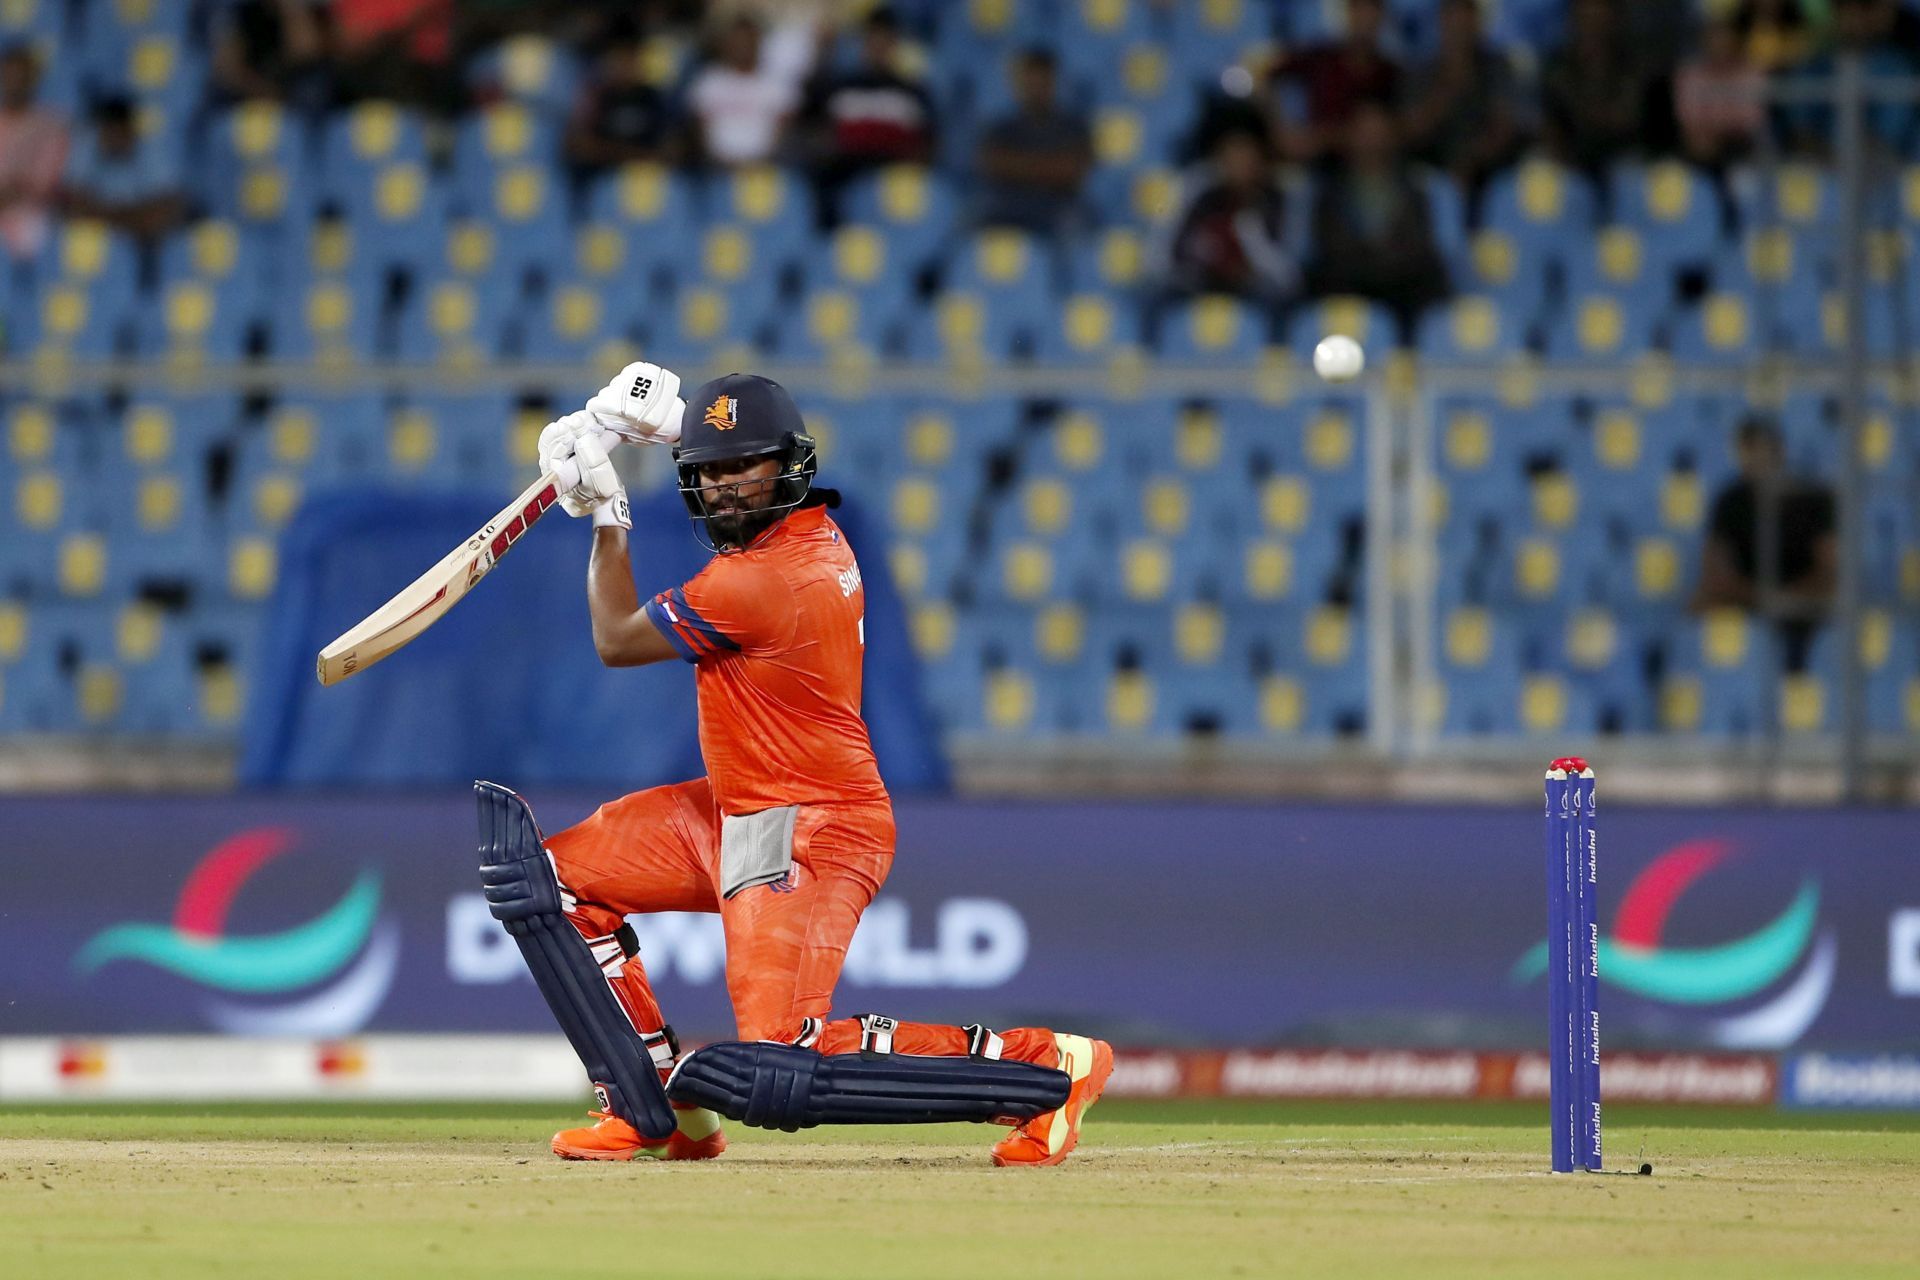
[
  {"x": 531, "y": 70},
  {"x": 916, "y": 207}
]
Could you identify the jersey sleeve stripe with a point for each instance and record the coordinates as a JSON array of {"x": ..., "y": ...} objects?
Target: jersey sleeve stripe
[
  {"x": 662, "y": 621},
  {"x": 697, "y": 625}
]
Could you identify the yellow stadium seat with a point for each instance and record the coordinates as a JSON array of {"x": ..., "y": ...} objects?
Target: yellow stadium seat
[
  {"x": 1009, "y": 697},
  {"x": 1803, "y": 703},
  {"x": 399, "y": 191},
  {"x": 1616, "y": 439},
  {"x": 1078, "y": 440},
  {"x": 1725, "y": 320},
  {"x": 1047, "y": 505},
  {"x": 1330, "y": 440},
  {"x": 256, "y": 126},
  {"x": 30, "y": 434},
  {"x": 221, "y": 694},
  {"x": 859, "y": 254},
  {"x": 1156, "y": 196},
  {"x": 916, "y": 505},
  {"x": 642, "y": 191},
  {"x": 1088, "y": 323},
  {"x": 1268, "y": 570},
  {"x": 1121, "y": 257},
  {"x": 137, "y": 632},
  {"x": 506, "y": 130},
  {"x": 1118, "y": 136},
  {"x": 83, "y": 564},
  {"x": 1495, "y": 259},
  {"x": 1593, "y": 637},
  {"x": 909, "y": 563},
  {"x": 1536, "y": 568},
  {"x": 1618, "y": 252},
  {"x": 13, "y": 630},
  {"x": 703, "y": 314},
  {"x": 100, "y": 693},
  {"x": 904, "y": 197},
  {"x": 149, "y": 434},
  {"x": 290, "y": 436},
  {"x": 1656, "y": 568},
  {"x": 1469, "y": 638},
  {"x": 1167, "y": 506},
  {"x": 1199, "y": 633},
  {"x": 1468, "y": 442},
  {"x": 1146, "y": 570},
  {"x": 1143, "y": 70},
  {"x": 158, "y": 503},
  {"x": 412, "y": 439},
  {"x": 470, "y": 247},
  {"x": 1286, "y": 502},
  {"x": 1197, "y": 439},
  {"x": 1724, "y": 638},
  {"x": 1543, "y": 191},
  {"x": 330, "y": 246},
  {"x": 1681, "y": 703},
  {"x": 1028, "y": 571},
  {"x": 1475, "y": 324},
  {"x": 1601, "y": 326},
  {"x": 1283, "y": 704},
  {"x": 961, "y": 320},
  {"x": 933, "y": 627},
  {"x": 1543, "y": 703},
  {"x": 1556, "y": 500},
  {"x": 929, "y": 439},
  {"x": 760, "y": 194},
  {"x": 37, "y": 500},
  {"x": 1683, "y": 501},
  {"x": 600, "y": 250},
  {"x": 1129, "y": 700},
  {"x": 251, "y": 566},
  {"x": 1329, "y": 636},
  {"x": 263, "y": 192},
  {"x": 277, "y": 496},
  {"x": 1060, "y": 632},
  {"x": 1876, "y": 638}
]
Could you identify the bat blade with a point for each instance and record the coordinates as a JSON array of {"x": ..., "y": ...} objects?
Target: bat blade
[{"x": 426, "y": 599}]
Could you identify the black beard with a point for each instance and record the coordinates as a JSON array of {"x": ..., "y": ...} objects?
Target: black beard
[{"x": 739, "y": 528}]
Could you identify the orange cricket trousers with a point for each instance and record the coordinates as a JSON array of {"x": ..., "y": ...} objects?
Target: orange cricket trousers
[{"x": 659, "y": 850}]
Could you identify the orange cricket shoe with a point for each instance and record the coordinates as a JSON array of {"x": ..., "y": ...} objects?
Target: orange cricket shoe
[
  {"x": 698, "y": 1137},
  {"x": 1047, "y": 1139}
]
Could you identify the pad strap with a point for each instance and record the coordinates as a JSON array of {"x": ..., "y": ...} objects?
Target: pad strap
[
  {"x": 876, "y": 1034},
  {"x": 982, "y": 1044}
]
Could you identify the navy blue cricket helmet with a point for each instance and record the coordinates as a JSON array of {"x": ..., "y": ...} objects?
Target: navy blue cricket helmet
[{"x": 743, "y": 415}]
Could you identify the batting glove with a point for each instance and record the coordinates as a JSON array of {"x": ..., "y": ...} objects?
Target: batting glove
[
  {"x": 642, "y": 404},
  {"x": 579, "y": 439}
]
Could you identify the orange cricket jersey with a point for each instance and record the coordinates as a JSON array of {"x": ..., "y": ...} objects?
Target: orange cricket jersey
[{"x": 776, "y": 633}]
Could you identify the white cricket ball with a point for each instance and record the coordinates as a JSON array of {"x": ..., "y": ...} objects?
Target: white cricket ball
[{"x": 1338, "y": 358}]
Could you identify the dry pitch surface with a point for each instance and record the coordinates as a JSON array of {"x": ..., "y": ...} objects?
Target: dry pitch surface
[{"x": 1161, "y": 1190}]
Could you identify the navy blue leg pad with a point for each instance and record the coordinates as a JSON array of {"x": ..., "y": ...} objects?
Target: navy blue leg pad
[
  {"x": 524, "y": 896},
  {"x": 780, "y": 1086}
]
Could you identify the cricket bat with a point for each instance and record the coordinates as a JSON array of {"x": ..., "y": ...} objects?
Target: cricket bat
[{"x": 427, "y": 598}]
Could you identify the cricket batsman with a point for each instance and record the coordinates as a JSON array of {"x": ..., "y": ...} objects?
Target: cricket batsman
[{"x": 788, "y": 837}]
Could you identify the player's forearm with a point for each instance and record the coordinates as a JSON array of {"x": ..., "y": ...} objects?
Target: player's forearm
[{"x": 620, "y": 631}]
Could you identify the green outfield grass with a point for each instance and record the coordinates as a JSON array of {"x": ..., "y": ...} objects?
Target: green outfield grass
[{"x": 1157, "y": 1189}]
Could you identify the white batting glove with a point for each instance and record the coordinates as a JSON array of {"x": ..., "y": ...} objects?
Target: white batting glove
[
  {"x": 578, "y": 439},
  {"x": 642, "y": 404}
]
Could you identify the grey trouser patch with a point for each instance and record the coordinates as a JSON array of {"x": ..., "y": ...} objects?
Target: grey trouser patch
[{"x": 756, "y": 848}]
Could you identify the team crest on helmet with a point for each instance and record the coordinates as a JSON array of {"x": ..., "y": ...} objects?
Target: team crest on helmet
[{"x": 723, "y": 413}]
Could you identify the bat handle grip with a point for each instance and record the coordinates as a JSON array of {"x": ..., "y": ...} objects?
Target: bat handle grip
[{"x": 566, "y": 474}]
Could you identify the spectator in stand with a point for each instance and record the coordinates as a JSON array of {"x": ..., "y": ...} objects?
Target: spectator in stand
[
  {"x": 271, "y": 49},
  {"x": 619, "y": 118},
  {"x": 1033, "y": 162},
  {"x": 1460, "y": 111},
  {"x": 1594, "y": 92},
  {"x": 869, "y": 116},
  {"x": 740, "y": 103},
  {"x": 1771, "y": 546},
  {"x": 1870, "y": 30},
  {"x": 1372, "y": 230},
  {"x": 1230, "y": 239},
  {"x": 33, "y": 153},
  {"x": 1335, "y": 78},
  {"x": 397, "y": 49},
  {"x": 113, "y": 177},
  {"x": 1776, "y": 33},
  {"x": 1719, "y": 98}
]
